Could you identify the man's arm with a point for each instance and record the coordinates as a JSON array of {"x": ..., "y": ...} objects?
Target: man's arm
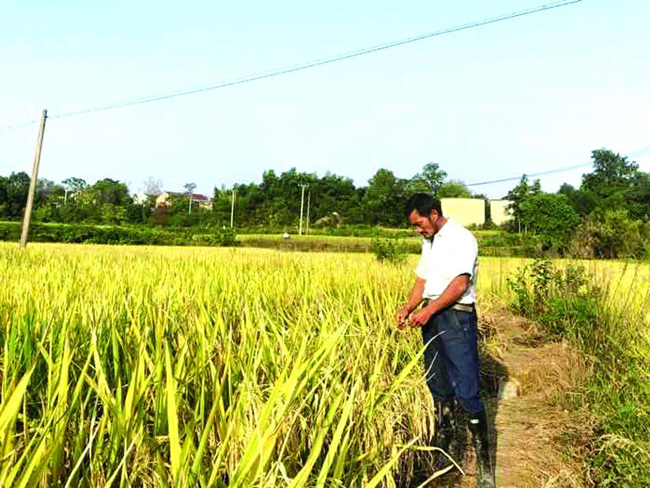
[
  {"x": 452, "y": 293},
  {"x": 414, "y": 300}
]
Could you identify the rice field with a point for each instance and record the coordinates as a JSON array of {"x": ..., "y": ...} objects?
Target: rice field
[
  {"x": 626, "y": 283},
  {"x": 217, "y": 367}
]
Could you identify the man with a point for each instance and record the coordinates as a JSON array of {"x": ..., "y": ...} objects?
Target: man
[{"x": 446, "y": 283}]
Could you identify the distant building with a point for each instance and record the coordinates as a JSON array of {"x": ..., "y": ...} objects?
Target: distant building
[
  {"x": 499, "y": 211},
  {"x": 202, "y": 201},
  {"x": 465, "y": 211}
]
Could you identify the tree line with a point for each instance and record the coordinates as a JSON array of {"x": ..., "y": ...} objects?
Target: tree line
[
  {"x": 275, "y": 202},
  {"x": 606, "y": 216}
]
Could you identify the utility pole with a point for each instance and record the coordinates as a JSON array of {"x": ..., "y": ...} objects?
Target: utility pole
[
  {"x": 190, "y": 193},
  {"x": 232, "y": 209},
  {"x": 32, "y": 183},
  {"x": 302, "y": 204},
  {"x": 308, "y": 205}
]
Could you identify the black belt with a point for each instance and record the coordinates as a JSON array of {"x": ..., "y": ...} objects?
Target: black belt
[
  {"x": 464, "y": 307},
  {"x": 461, "y": 307}
]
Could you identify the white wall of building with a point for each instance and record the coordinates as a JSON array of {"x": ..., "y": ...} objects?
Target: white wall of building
[
  {"x": 465, "y": 211},
  {"x": 499, "y": 211}
]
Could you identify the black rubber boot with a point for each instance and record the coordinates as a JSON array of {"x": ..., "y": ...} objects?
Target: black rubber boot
[
  {"x": 446, "y": 432},
  {"x": 479, "y": 428}
]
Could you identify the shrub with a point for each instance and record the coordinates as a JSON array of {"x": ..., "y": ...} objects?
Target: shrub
[
  {"x": 225, "y": 237},
  {"x": 571, "y": 307},
  {"x": 609, "y": 234},
  {"x": 228, "y": 237},
  {"x": 489, "y": 225},
  {"x": 558, "y": 299},
  {"x": 390, "y": 250},
  {"x": 552, "y": 218},
  {"x": 101, "y": 234}
]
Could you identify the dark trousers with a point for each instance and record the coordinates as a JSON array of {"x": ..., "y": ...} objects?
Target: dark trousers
[{"x": 451, "y": 358}]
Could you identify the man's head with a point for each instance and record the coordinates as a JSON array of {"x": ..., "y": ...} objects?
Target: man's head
[{"x": 424, "y": 213}]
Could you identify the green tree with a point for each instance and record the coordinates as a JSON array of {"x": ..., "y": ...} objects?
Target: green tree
[
  {"x": 74, "y": 185},
  {"x": 417, "y": 185},
  {"x": 72, "y": 189},
  {"x": 454, "y": 189},
  {"x": 432, "y": 178},
  {"x": 638, "y": 197},
  {"x": 333, "y": 193},
  {"x": 3, "y": 196},
  {"x": 614, "y": 184},
  {"x": 109, "y": 191},
  {"x": 582, "y": 201},
  {"x": 612, "y": 174},
  {"x": 221, "y": 206},
  {"x": 14, "y": 195},
  {"x": 48, "y": 201},
  {"x": 107, "y": 201},
  {"x": 383, "y": 200},
  {"x": 552, "y": 218},
  {"x": 518, "y": 195},
  {"x": 609, "y": 234}
]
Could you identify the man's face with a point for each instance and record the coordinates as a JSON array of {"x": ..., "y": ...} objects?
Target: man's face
[{"x": 423, "y": 224}]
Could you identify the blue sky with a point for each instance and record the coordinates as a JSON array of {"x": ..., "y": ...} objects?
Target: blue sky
[{"x": 521, "y": 96}]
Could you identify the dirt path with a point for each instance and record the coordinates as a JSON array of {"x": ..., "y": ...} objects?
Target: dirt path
[{"x": 530, "y": 421}]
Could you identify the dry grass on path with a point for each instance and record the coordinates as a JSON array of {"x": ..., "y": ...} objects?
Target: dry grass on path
[{"x": 530, "y": 431}]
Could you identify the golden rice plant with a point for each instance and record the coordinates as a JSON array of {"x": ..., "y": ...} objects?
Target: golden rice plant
[
  {"x": 206, "y": 367},
  {"x": 211, "y": 367}
]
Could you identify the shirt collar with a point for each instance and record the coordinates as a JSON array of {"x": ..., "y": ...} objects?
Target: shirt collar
[{"x": 442, "y": 232}]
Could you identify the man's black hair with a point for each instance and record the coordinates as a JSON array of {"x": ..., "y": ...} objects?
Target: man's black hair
[{"x": 423, "y": 204}]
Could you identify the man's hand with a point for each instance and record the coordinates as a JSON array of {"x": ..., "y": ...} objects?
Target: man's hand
[
  {"x": 422, "y": 317},
  {"x": 414, "y": 300},
  {"x": 402, "y": 317}
]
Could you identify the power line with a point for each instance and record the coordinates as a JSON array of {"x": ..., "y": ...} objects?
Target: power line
[
  {"x": 639, "y": 153},
  {"x": 513, "y": 178},
  {"x": 313, "y": 64},
  {"x": 304, "y": 66},
  {"x": 11, "y": 128}
]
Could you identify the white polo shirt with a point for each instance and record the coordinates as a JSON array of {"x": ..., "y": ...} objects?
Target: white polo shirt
[{"x": 453, "y": 251}]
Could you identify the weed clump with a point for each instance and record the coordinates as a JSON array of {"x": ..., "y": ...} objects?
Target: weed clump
[
  {"x": 559, "y": 299},
  {"x": 570, "y": 306},
  {"x": 389, "y": 250}
]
